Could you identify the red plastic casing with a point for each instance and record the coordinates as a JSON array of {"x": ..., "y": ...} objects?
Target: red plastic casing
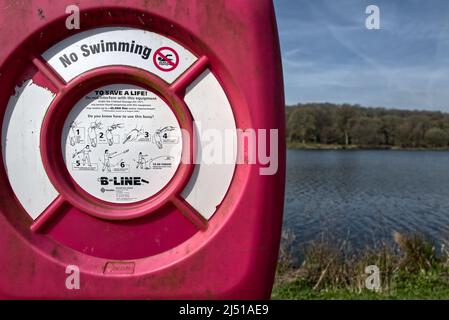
[{"x": 231, "y": 256}]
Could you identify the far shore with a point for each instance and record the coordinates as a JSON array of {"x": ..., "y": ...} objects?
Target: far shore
[{"x": 318, "y": 146}]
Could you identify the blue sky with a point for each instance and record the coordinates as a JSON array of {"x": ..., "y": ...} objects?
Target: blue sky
[{"x": 329, "y": 55}]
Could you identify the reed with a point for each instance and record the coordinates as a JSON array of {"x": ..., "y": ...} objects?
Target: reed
[{"x": 410, "y": 268}]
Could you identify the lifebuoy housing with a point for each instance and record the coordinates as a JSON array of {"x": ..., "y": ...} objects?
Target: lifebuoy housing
[{"x": 112, "y": 136}]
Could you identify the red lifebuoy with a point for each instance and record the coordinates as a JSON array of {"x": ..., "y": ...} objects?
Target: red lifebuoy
[{"x": 105, "y": 134}]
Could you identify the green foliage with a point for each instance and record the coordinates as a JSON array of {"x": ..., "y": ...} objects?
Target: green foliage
[
  {"x": 420, "y": 287},
  {"x": 352, "y": 125},
  {"x": 409, "y": 269},
  {"x": 436, "y": 137}
]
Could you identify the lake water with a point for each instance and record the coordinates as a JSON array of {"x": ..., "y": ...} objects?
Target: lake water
[{"x": 364, "y": 196}]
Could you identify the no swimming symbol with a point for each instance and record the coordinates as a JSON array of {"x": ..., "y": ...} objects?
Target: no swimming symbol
[{"x": 166, "y": 59}]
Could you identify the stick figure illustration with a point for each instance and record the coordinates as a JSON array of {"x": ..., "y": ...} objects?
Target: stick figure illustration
[
  {"x": 133, "y": 135},
  {"x": 107, "y": 159},
  {"x": 92, "y": 132},
  {"x": 72, "y": 133},
  {"x": 85, "y": 156},
  {"x": 109, "y": 134},
  {"x": 161, "y": 134},
  {"x": 141, "y": 161}
]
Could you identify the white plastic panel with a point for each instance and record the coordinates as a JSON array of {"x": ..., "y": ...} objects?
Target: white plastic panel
[
  {"x": 213, "y": 117},
  {"x": 122, "y": 143},
  {"x": 20, "y": 147},
  {"x": 119, "y": 46}
]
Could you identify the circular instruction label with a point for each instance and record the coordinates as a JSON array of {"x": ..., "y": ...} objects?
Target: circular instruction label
[{"x": 122, "y": 143}]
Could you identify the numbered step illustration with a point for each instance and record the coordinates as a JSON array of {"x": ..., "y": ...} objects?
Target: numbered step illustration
[
  {"x": 110, "y": 136},
  {"x": 111, "y": 162},
  {"x": 162, "y": 136},
  {"x": 76, "y": 134},
  {"x": 144, "y": 162},
  {"x": 136, "y": 135},
  {"x": 82, "y": 161},
  {"x": 93, "y": 133},
  {"x": 165, "y": 136}
]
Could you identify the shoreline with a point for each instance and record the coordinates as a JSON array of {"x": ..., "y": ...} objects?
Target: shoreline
[
  {"x": 411, "y": 268},
  {"x": 333, "y": 147}
]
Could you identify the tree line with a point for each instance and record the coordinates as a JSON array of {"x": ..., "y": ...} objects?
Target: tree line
[{"x": 345, "y": 124}]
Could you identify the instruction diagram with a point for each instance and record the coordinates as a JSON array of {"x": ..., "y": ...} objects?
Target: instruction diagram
[
  {"x": 92, "y": 132},
  {"x": 160, "y": 137},
  {"x": 76, "y": 134},
  {"x": 82, "y": 160},
  {"x": 118, "y": 136},
  {"x": 163, "y": 136},
  {"x": 141, "y": 161},
  {"x": 159, "y": 162},
  {"x": 110, "y": 137},
  {"x": 119, "y": 166},
  {"x": 136, "y": 135}
]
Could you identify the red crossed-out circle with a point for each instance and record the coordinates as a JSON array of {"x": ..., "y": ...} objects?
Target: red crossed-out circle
[{"x": 162, "y": 56}]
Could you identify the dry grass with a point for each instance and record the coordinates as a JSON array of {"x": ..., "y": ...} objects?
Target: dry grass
[{"x": 329, "y": 264}]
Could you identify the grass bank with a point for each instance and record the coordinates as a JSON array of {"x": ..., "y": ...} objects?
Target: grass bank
[{"x": 411, "y": 268}]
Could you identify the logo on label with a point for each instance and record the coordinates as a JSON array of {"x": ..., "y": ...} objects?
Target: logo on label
[
  {"x": 166, "y": 59},
  {"x": 122, "y": 181},
  {"x": 119, "y": 268}
]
